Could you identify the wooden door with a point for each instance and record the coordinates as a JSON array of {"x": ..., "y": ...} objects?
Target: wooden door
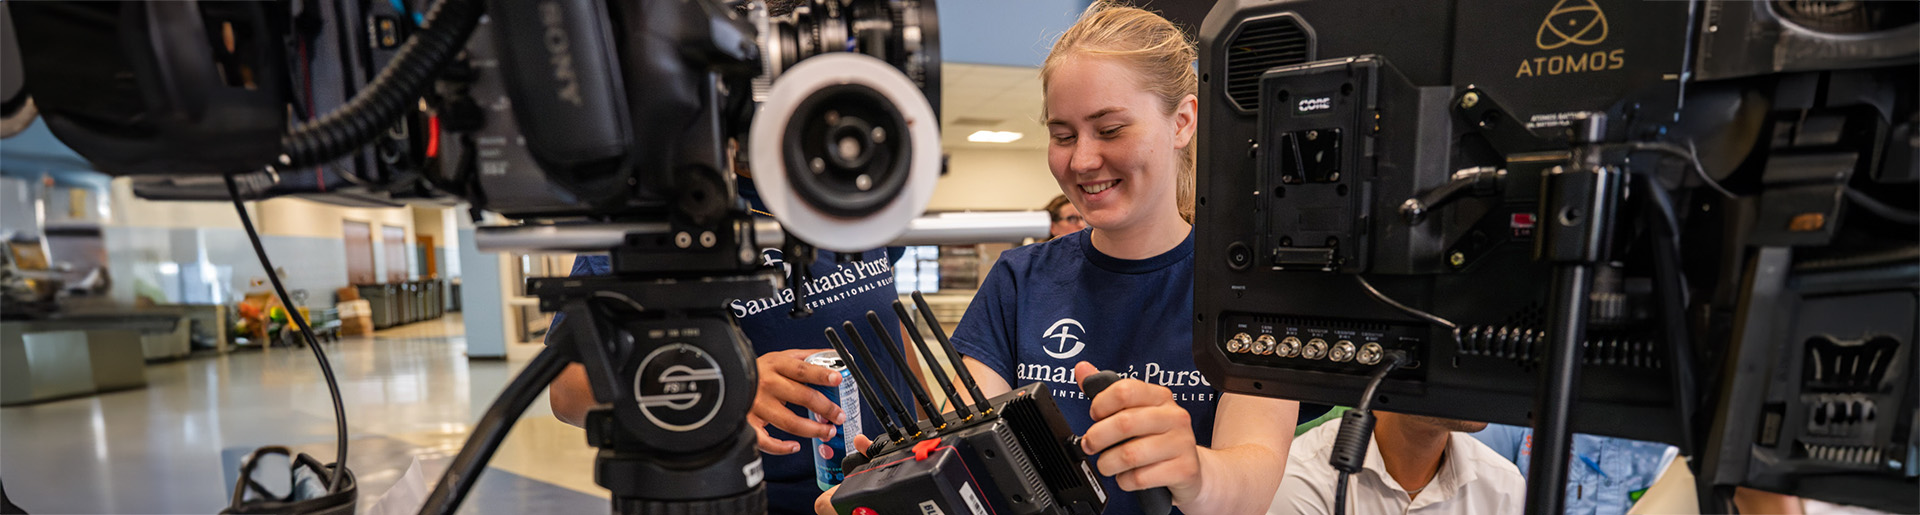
[
  {"x": 395, "y": 240},
  {"x": 359, "y": 240},
  {"x": 429, "y": 257}
]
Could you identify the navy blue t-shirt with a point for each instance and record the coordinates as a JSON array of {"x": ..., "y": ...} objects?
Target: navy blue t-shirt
[
  {"x": 838, "y": 293},
  {"x": 1047, "y": 306}
]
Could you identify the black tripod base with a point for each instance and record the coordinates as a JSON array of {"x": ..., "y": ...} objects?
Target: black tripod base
[{"x": 753, "y": 501}]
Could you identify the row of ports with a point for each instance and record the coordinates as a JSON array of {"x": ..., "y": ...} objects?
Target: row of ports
[{"x": 1290, "y": 347}]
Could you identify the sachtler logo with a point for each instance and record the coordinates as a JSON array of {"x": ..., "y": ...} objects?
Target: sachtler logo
[
  {"x": 1572, "y": 23},
  {"x": 1066, "y": 335},
  {"x": 679, "y": 387}
]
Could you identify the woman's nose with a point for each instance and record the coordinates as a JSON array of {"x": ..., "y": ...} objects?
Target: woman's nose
[{"x": 1086, "y": 157}]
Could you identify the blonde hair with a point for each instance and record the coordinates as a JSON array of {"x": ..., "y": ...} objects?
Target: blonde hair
[{"x": 1151, "y": 46}]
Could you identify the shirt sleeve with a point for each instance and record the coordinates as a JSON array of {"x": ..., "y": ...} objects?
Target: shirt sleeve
[
  {"x": 986, "y": 330},
  {"x": 1503, "y": 439}
]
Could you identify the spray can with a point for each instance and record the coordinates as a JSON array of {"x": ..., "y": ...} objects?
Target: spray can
[{"x": 828, "y": 453}]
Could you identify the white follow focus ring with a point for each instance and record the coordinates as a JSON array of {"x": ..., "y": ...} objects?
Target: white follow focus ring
[{"x": 802, "y": 220}]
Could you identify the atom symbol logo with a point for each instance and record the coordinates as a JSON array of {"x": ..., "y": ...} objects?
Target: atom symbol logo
[{"x": 1580, "y": 23}]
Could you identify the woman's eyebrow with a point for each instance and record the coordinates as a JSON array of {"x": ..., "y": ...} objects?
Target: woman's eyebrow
[{"x": 1095, "y": 115}]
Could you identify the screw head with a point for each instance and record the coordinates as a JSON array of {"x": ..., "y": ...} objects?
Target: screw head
[
  {"x": 1471, "y": 99},
  {"x": 1457, "y": 259}
]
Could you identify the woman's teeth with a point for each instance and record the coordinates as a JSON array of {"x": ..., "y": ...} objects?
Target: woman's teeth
[{"x": 1096, "y": 188}]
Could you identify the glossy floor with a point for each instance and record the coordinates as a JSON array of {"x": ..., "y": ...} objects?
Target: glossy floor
[{"x": 171, "y": 447}]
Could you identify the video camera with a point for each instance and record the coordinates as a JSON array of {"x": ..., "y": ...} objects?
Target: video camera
[
  {"x": 610, "y": 127},
  {"x": 1685, "y": 222}
]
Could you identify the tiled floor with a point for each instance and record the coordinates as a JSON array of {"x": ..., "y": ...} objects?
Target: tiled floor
[{"x": 409, "y": 392}]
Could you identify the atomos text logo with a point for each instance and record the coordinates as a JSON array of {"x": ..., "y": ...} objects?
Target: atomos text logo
[
  {"x": 1066, "y": 335},
  {"x": 1572, "y": 23}
]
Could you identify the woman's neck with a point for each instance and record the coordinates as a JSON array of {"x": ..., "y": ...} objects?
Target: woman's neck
[{"x": 1142, "y": 241}]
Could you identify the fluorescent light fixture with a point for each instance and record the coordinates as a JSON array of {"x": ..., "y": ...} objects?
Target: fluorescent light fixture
[{"x": 994, "y": 137}]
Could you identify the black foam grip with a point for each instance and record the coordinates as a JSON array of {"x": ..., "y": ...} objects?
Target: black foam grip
[{"x": 1153, "y": 501}]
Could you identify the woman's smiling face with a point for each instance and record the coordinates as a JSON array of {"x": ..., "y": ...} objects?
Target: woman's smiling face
[{"x": 1112, "y": 146}]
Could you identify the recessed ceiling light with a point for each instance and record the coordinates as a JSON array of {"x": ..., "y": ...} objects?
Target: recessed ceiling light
[{"x": 994, "y": 137}]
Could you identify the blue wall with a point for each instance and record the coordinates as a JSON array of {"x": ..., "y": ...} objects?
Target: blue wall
[
  {"x": 482, "y": 300},
  {"x": 1004, "y": 32}
]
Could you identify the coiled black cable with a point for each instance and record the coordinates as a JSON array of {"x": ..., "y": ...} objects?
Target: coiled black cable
[{"x": 375, "y": 108}]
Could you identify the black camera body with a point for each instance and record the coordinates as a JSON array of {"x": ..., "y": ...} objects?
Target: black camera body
[{"x": 1019, "y": 455}]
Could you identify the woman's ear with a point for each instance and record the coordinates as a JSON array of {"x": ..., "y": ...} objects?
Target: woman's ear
[{"x": 1186, "y": 119}]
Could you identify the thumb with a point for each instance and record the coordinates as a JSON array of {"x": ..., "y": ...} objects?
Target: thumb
[
  {"x": 1083, "y": 370},
  {"x": 861, "y": 442}
]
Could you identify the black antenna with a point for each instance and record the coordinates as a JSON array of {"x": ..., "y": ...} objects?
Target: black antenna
[
  {"x": 866, "y": 386},
  {"x": 893, "y": 349},
  {"x": 893, "y": 399},
  {"x": 953, "y": 356},
  {"x": 953, "y": 397}
]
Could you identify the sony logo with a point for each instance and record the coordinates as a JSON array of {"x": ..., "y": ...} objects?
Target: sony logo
[
  {"x": 1315, "y": 104},
  {"x": 560, "y": 53}
]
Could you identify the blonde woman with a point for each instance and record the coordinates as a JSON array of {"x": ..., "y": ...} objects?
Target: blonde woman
[{"x": 1121, "y": 112}]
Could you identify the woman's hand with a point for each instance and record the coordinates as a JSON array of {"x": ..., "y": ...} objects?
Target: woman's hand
[
  {"x": 823, "y": 505},
  {"x": 1159, "y": 447},
  {"x": 785, "y": 377}
]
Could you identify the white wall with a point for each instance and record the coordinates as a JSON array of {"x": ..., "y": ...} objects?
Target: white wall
[
  {"x": 994, "y": 180},
  {"x": 131, "y": 211}
]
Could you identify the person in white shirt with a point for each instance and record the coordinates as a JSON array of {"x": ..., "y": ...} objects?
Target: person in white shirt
[{"x": 1416, "y": 465}]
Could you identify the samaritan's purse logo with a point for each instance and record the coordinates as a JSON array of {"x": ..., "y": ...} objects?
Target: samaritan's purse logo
[
  {"x": 1064, "y": 331},
  {"x": 1577, "y": 23}
]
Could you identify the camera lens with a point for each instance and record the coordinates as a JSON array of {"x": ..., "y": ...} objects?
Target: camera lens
[
  {"x": 904, "y": 33},
  {"x": 846, "y": 151}
]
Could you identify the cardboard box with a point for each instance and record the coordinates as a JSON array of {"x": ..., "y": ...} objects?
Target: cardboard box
[
  {"x": 347, "y": 294},
  {"x": 356, "y": 326},
  {"x": 354, "y": 308}
]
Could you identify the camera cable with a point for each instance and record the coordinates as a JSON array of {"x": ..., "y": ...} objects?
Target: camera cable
[{"x": 1356, "y": 431}]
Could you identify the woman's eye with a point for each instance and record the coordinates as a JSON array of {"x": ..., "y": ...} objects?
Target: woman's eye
[
  {"x": 1111, "y": 131},
  {"x": 1063, "y": 138}
]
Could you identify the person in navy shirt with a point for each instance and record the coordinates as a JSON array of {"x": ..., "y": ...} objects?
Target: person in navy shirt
[
  {"x": 839, "y": 292},
  {"x": 1121, "y": 113}
]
